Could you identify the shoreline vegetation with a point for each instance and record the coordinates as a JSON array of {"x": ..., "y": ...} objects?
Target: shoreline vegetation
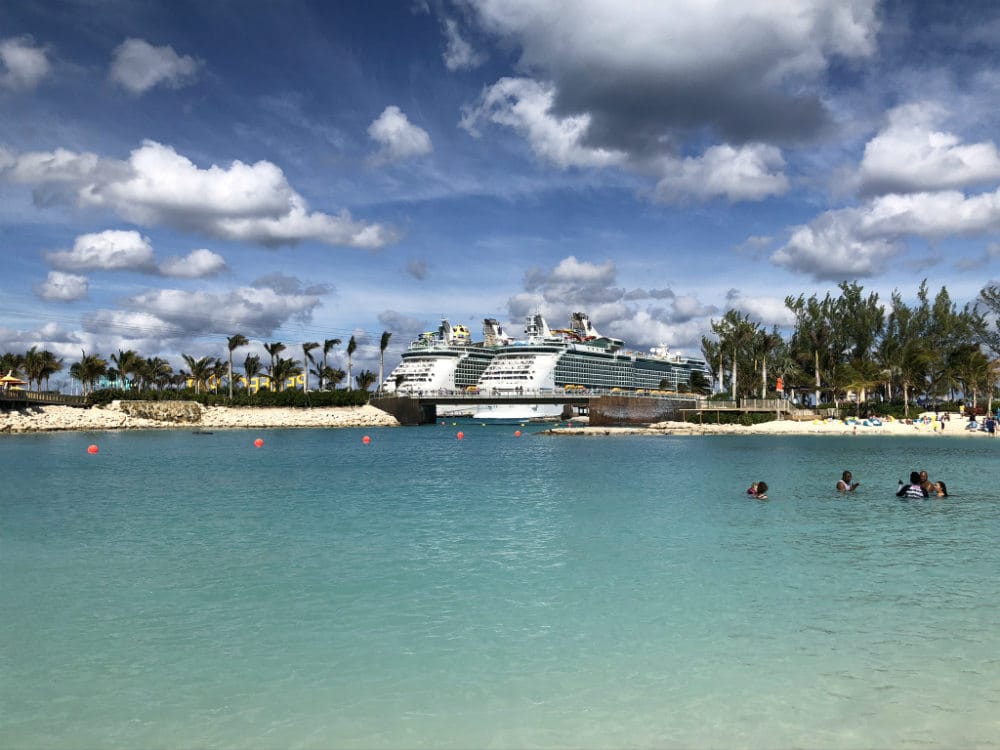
[{"x": 125, "y": 415}]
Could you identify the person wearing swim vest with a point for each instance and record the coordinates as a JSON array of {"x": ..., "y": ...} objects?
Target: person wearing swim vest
[{"x": 914, "y": 490}]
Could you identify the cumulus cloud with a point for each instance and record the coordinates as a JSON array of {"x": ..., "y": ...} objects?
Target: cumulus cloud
[
  {"x": 138, "y": 66},
  {"x": 195, "y": 265},
  {"x": 112, "y": 250},
  {"x": 642, "y": 317},
  {"x": 22, "y": 65},
  {"x": 749, "y": 173},
  {"x": 459, "y": 54},
  {"x": 674, "y": 76},
  {"x": 254, "y": 310},
  {"x": 158, "y": 186},
  {"x": 834, "y": 247},
  {"x": 527, "y": 106},
  {"x": 397, "y": 137},
  {"x": 62, "y": 287},
  {"x": 910, "y": 155}
]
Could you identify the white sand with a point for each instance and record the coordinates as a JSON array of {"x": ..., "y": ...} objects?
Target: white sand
[
  {"x": 59, "y": 418},
  {"x": 954, "y": 428}
]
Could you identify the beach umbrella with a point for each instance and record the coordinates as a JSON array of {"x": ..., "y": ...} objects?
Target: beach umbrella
[{"x": 9, "y": 379}]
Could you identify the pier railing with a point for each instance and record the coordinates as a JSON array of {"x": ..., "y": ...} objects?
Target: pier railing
[{"x": 41, "y": 398}]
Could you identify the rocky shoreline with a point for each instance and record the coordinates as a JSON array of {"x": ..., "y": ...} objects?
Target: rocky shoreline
[
  {"x": 151, "y": 415},
  {"x": 924, "y": 425}
]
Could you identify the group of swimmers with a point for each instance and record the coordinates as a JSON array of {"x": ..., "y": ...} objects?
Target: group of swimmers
[{"x": 919, "y": 487}]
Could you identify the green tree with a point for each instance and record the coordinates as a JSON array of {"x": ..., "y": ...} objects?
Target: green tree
[
  {"x": 307, "y": 358},
  {"x": 199, "y": 369},
  {"x": 251, "y": 367},
  {"x": 352, "y": 347},
  {"x": 365, "y": 379},
  {"x": 328, "y": 346},
  {"x": 126, "y": 361},
  {"x": 233, "y": 343},
  {"x": 88, "y": 370},
  {"x": 382, "y": 344}
]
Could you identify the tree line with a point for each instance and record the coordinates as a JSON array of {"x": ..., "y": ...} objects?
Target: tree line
[
  {"x": 139, "y": 373},
  {"x": 852, "y": 343}
]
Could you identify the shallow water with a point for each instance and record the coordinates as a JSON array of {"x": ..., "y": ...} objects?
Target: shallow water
[{"x": 182, "y": 590}]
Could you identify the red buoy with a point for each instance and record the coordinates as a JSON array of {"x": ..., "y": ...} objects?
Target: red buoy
[
  {"x": 366, "y": 440},
  {"x": 460, "y": 435},
  {"x": 92, "y": 449},
  {"x": 259, "y": 443},
  {"x": 517, "y": 433}
]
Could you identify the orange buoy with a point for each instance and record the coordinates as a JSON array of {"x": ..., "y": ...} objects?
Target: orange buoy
[
  {"x": 517, "y": 433},
  {"x": 259, "y": 443},
  {"x": 460, "y": 435},
  {"x": 366, "y": 440},
  {"x": 92, "y": 449}
]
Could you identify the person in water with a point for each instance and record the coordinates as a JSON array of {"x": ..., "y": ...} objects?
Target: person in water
[
  {"x": 845, "y": 484},
  {"x": 926, "y": 483},
  {"x": 914, "y": 490},
  {"x": 761, "y": 493},
  {"x": 940, "y": 489},
  {"x": 752, "y": 490}
]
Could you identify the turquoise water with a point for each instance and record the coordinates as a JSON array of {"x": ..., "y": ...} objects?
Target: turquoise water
[{"x": 182, "y": 590}]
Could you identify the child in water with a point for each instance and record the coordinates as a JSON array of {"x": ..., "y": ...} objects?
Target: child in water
[
  {"x": 758, "y": 490},
  {"x": 753, "y": 489}
]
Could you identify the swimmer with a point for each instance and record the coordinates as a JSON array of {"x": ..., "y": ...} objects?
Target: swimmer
[
  {"x": 761, "y": 490},
  {"x": 845, "y": 484},
  {"x": 940, "y": 489},
  {"x": 752, "y": 490}
]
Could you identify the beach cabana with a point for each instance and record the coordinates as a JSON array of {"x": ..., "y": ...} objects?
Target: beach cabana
[{"x": 9, "y": 380}]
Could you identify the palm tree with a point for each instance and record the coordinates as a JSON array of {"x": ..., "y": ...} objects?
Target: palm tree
[
  {"x": 201, "y": 370},
  {"x": 155, "y": 371},
  {"x": 352, "y": 347},
  {"x": 306, "y": 359},
  {"x": 88, "y": 370},
  {"x": 274, "y": 349},
  {"x": 334, "y": 376},
  {"x": 365, "y": 379},
  {"x": 50, "y": 366},
  {"x": 282, "y": 370},
  {"x": 233, "y": 343},
  {"x": 328, "y": 345},
  {"x": 382, "y": 344},
  {"x": 126, "y": 362},
  {"x": 251, "y": 368},
  {"x": 34, "y": 367}
]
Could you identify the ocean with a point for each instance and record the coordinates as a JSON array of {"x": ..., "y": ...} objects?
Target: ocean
[{"x": 421, "y": 591}]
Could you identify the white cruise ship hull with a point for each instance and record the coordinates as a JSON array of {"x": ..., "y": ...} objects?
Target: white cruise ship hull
[{"x": 517, "y": 413}]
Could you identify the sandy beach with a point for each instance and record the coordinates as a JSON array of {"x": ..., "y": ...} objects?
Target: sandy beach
[
  {"x": 116, "y": 416},
  {"x": 923, "y": 425}
]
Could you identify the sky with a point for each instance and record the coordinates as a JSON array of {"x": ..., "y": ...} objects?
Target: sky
[{"x": 174, "y": 172}]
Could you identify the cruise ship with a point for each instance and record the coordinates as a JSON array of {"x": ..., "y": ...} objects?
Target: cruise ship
[
  {"x": 444, "y": 361},
  {"x": 577, "y": 357}
]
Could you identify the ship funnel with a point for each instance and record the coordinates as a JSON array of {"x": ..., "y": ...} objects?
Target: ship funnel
[
  {"x": 493, "y": 334},
  {"x": 536, "y": 327},
  {"x": 580, "y": 323}
]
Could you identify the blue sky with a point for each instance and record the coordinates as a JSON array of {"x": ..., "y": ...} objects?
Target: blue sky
[{"x": 175, "y": 172}]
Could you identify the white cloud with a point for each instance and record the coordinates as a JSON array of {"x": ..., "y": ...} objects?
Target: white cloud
[
  {"x": 769, "y": 311},
  {"x": 158, "y": 186},
  {"x": 397, "y": 137},
  {"x": 62, "y": 287},
  {"x": 23, "y": 65},
  {"x": 255, "y": 311},
  {"x": 749, "y": 71},
  {"x": 834, "y": 247},
  {"x": 138, "y": 66},
  {"x": 910, "y": 155},
  {"x": 195, "y": 265},
  {"x": 526, "y": 106},
  {"x": 748, "y": 173},
  {"x": 111, "y": 250},
  {"x": 459, "y": 54}
]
